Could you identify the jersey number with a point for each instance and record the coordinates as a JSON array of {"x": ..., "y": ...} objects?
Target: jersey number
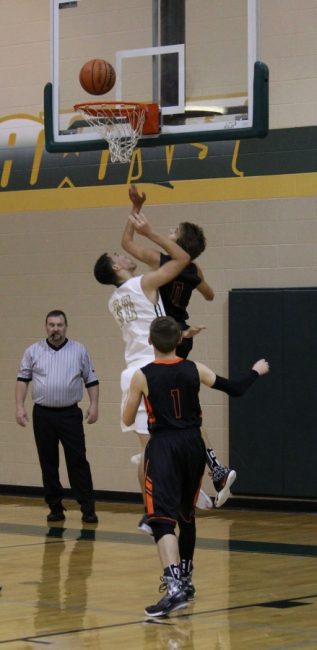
[
  {"x": 124, "y": 310},
  {"x": 176, "y": 293}
]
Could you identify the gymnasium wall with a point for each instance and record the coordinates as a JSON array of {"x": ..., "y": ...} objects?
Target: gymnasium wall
[{"x": 256, "y": 202}]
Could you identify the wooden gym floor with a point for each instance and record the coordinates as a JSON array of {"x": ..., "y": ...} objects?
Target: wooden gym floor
[{"x": 81, "y": 586}]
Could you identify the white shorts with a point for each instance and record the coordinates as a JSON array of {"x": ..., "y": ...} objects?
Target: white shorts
[{"x": 140, "y": 424}]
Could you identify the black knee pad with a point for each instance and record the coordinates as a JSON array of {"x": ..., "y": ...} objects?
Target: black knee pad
[{"x": 162, "y": 528}]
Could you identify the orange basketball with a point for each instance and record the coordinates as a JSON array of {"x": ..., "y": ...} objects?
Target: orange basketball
[{"x": 97, "y": 76}]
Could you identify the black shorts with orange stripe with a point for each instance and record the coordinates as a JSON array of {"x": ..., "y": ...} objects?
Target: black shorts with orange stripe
[{"x": 174, "y": 467}]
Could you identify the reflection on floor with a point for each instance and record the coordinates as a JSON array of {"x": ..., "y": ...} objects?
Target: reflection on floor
[{"x": 84, "y": 586}]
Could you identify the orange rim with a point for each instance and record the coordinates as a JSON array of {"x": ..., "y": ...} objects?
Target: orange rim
[
  {"x": 131, "y": 110},
  {"x": 106, "y": 108}
]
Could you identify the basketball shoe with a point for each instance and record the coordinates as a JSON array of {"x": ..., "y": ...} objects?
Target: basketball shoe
[
  {"x": 222, "y": 478},
  {"x": 188, "y": 586},
  {"x": 175, "y": 598},
  {"x": 222, "y": 486}
]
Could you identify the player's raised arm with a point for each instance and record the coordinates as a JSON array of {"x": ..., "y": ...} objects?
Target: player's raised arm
[
  {"x": 149, "y": 256},
  {"x": 193, "y": 330}
]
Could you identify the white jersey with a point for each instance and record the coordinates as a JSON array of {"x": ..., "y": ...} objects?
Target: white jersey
[{"x": 134, "y": 313}]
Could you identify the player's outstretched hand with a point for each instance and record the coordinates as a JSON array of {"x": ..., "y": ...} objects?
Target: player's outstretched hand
[
  {"x": 193, "y": 330},
  {"x": 136, "y": 198},
  {"x": 140, "y": 223},
  {"x": 261, "y": 367}
]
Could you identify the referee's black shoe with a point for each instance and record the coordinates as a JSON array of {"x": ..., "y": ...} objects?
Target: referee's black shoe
[
  {"x": 57, "y": 512},
  {"x": 89, "y": 518}
]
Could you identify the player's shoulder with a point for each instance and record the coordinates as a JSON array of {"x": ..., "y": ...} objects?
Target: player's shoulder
[
  {"x": 199, "y": 367},
  {"x": 139, "y": 378},
  {"x": 196, "y": 364},
  {"x": 131, "y": 283}
]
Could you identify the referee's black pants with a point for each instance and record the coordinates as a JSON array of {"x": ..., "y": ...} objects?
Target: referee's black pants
[{"x": 52, "y": 426}]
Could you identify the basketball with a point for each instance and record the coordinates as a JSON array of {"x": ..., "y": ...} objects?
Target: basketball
[{"x": 97, "y": 77}]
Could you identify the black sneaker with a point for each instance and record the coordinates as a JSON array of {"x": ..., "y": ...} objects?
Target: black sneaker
[
  {"x": 144, "y": 525},
  {"x": 223, "y": 485},
  {"x": 89, "y": 518},
  {"x": 176, "y": 598},
  {"x": 188, "y": 587},
  {"x": 57, "y": 512}
]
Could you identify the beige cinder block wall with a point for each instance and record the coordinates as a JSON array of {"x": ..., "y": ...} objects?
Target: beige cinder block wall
[
  {"x": 46, "y": 259},
  {"x": 47, "y": 263}
]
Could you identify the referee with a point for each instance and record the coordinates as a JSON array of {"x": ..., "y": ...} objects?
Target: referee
[{"x": 59, "y": 367}]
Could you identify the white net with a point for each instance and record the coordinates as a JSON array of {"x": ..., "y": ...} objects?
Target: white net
[{"x": 120, "y": 125}]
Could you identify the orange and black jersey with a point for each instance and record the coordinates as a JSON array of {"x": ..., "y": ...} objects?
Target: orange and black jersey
[
  {"x": 173, "y": 399},
  {"x": 176, "y": 294}
]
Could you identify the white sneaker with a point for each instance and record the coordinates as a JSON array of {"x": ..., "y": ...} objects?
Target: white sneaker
[{"x": 204, "y": 502}]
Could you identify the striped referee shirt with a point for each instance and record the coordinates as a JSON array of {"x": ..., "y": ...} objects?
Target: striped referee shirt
[{"x": 58, "y": 375}]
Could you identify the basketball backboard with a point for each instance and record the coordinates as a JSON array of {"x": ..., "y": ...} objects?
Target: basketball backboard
[{"x": 198, "y": 59}]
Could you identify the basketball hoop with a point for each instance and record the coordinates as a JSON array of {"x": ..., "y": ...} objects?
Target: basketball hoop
[{"x": 121, "y": 124}]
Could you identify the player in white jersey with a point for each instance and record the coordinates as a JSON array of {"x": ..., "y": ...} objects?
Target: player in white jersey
[
  {"x": 134, "y": 313},
  {"x": 134, "y": 304}
]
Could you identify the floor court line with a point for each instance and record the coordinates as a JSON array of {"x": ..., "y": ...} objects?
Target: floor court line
[{"x": 169, "y": 621}]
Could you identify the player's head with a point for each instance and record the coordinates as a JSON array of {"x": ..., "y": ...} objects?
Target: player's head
[
  {"x": 114, "y": 268},
  {"x": 190, "y": 237},
  {"x": 165, "y": 334}
]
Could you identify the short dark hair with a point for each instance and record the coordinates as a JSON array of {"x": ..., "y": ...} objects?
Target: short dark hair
[
  {"x": 56, "y": 312},
  {"x": 103, "y": 270},
  {"x": 165, "y": 333},
  {"x": 191, "y": 239}
]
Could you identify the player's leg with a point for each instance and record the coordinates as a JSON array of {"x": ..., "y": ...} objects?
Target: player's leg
[
  {"x": 167, "y": 547},
  {"x": 193, "y": 470},
  {"x": 163, "y": 498},
  {"x": 143, "y": 524},
  {"x": 140, "y": 428},
  {"x": 186, "y": 544}
]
